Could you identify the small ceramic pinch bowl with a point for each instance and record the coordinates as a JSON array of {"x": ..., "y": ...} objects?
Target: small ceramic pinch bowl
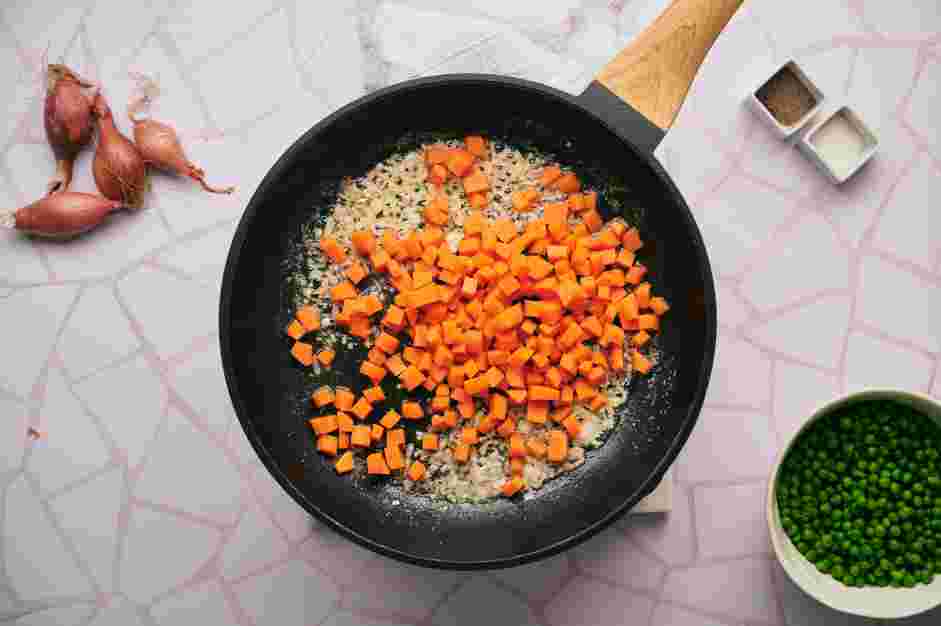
[
  {"x": 782, "y": 130},
  {"x": 874, "y": 602},
  {"x": 854, "y": 145}
]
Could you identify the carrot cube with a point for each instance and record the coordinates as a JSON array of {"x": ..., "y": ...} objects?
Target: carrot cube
[
  {"x": 558, "y": 446},
  {"x": 461, "y": 453},
  {"x": 344, "y": 464},
  {"x": 540, "y": 392},
  {"x": 322, "y": 397},
  {"x": 361, "y": 436},
  {"x": 567, "y": 183},
  {"x": 429, "y": 441},
  {"x": 332, "y": 249},
  {"x": 374, "y": 372},
  {"x": 550, "y": 174},
  {"x": 412, "y": 377},
  {"x": 477, "y": 146},
  {"x": 395, "y": 437},
  {"x": 328, "y": 444},
  {"x": 303, "y": 353},
  {"x": 537, "y": 411},
  {"x": 460, "y": 162},
  {"x": 295, "y": 330},
  {"x": 416, "y": 471},
  {"x": 376, "y": 464},
  {"x": 394, "y": 458},
  {"x": 640, "y": 363},
  {"x": 326, "y": 357},
  {"x": 412, "y": 410},
  {"x": 324, "y": 425},
  {"x": 387, "y": 343}
]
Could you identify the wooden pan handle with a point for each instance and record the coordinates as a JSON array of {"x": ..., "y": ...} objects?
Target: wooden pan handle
[{"x": 654, "y": 73}]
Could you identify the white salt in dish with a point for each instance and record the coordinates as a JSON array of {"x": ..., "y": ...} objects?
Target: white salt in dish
[
  {"x": 781, "y": 129},
  {"x": 839, "y": 145}
]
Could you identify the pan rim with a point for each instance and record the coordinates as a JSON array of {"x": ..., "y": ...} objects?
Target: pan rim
[{"x": 676, "y": 445}]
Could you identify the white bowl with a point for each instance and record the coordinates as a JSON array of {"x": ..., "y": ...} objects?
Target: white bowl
[
  {"x": 877, "y": 602},
  {"x": 756, "y": 105},
  {"x": 869, "y": 140}
]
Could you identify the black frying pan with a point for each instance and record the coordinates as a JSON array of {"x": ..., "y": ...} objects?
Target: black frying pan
[{"x": 609, "y": 144}]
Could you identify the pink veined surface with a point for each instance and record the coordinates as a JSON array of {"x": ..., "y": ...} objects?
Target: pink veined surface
[{"x": 142, "y": 502}]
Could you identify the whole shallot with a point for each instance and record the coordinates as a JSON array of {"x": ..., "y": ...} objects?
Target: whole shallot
[
  {"x": 119, "y": 169},
  {"x": 158, "y": 142},
  {"x": 68, "y": 120},
  {"x": 61, "y": 215}
]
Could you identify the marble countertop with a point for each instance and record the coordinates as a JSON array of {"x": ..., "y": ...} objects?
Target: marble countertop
[{"x": 142, "y": 502}]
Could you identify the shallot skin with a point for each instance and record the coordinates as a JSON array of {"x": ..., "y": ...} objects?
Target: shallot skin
[
  {"x": 67, "y": 116},
  {"x": 119, "y": 169},
  {"x": 160, "y": 146},
  {"x": 64, "y": 214}
]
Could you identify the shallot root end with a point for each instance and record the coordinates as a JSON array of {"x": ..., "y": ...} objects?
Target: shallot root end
[{"x": 200, "y": 176}]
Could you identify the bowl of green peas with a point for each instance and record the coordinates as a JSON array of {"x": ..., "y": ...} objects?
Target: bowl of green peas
[{"x": 854, "y": 504}]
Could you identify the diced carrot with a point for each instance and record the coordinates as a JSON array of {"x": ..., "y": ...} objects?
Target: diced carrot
[
  {"x": 387, "y": 343},
  {"x": 295, "y": 330},
  {"x": 592, "y": 220},
  {"x": 332, "y": 249},
  {"x": 374, "y": 372},
  {"x": 344, "y": 399},
  {"x": 395, "y": 437},
  {"x": 345, "y": 423},
  {"x": 460, "y": 162},
  {"x": 598, "y": 402},
  {"x": 461, "y": 453},
  {"x": 640, "y": 339},
  {"x": 322, "y": 397},
  {"x": 390, "y": 419},
  {"x": 394, "y": 318},
  {"x": 640, "y": 363},
  {"x": 648, "y": 321},
  {"x": 631, "y": 240},
  {"x": 537, "y": 411},
  {"x": 567, "y": 183},
  {"x": 517, "y": 396},
  {"x": 328, "y": 444},
  {"x": 326, "y": 357},
  {"x": 416, "y": 471},
  {"x": 394, "y": 458},
  {"x": 550, "y": 174},
  {"x": 558, "y": 446},
  {"x": 476, "y": 182},
  {"x": 476, "y": 386},
  {"x": 362, "y": 408},
  {"x": 324, "y": 425},
  {"x": 361, "y": 436},
  {"x": 344, "y": 464},
  {"x": 376, "y": 464},
  {"x": 412, "y": 410},
  {"x": 429, "y": 441},
  {"x": 539, "y": 392},
  {"x": 309, "y": 317},
  {"x": 513, "y": 486},
  {"x": 411, "y": 377},
  {"x": 375, "y": 433},
  {"x": 364, "y": 242},
  {"x": 437, "y": 174},
  {"x": 477, "y": 146},
  {"x": 344, "y": 438},
  {"x": 343, "y": 291},
  {"x": 303, "y": 353},
  {"x": 659, "y": 305},
  {"x": 374, "y": 394},
  {"x": 356, "y": 272},
  {"x": 572, "y": 426}
]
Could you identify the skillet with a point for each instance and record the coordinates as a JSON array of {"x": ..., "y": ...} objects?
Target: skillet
[{"x": 607, "y": 135}]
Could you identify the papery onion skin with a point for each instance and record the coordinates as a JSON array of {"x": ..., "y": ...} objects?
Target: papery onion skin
[
  {"x": 63, "y": 215},
  {"x": 119, "y": 169},
  {"x": 160, "y": 146},
  {"x": 67, "y": 116}
]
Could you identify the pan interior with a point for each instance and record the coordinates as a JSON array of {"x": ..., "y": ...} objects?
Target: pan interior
[{"x": 271, "y": 395}]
